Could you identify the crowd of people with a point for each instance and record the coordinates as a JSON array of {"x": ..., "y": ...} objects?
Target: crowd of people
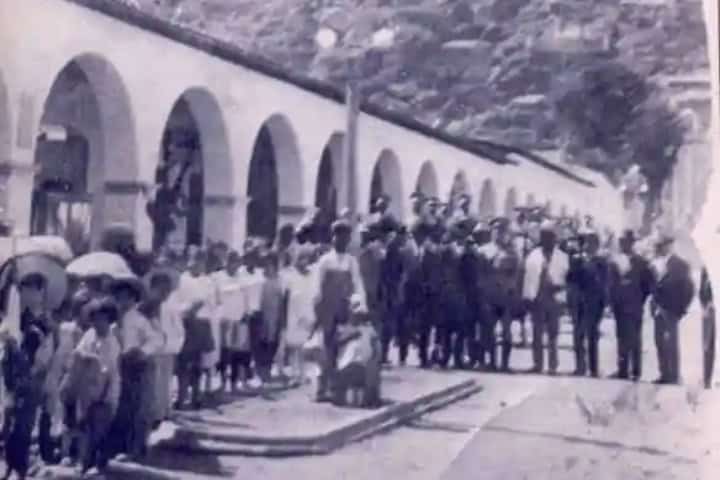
[{"x": 110, "y": 361}]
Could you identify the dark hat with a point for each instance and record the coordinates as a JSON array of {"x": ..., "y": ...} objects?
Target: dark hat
[
  {"x": 168, "y": 273},
  {"x": 101, "y": 305},
  {"x": 130, "y": 282},
  {"x": 434, "y": 201},
  {"x": 341, "y": 225},
  {"x": 382, "y": 199},
  {"x": 500, "y": 223},
  {"x": 481, "y": 227},
  {"x": 234, "y": 256},
  {"x": 586, "y": 233},
  {"x": 418, "y": 196},
  {"x": 463, "y": 199},
  {"x": 664, "y": 238},
  {"x": 628, "y": 235},
  {"x": 33, "y": 279}
]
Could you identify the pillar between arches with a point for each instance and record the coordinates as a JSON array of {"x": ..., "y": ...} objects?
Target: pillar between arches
[
  {"x": 16, "y": 181},
  {"x": 219, "y": 218}
]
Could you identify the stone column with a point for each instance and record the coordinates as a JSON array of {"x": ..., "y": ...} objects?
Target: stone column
[
  {"x": 17, "y": 181},
  {"x": 218, "y": 218},
  {"x": 122, "y": 201}
]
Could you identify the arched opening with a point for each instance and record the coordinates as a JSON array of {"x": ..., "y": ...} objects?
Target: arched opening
[
  {"x": 85, "y": 139},
  {"x": 427, "y": 182},
  {"x": 488, "y": 200},
  {"x": 387, "y": 180},
  {"x": 329, "y": 186},
  {"x": 459, "y": 187},
  {"x": 511, "y": 202},
  {"x": 194, "y": 167},
  {"x": 274, "y": 180}
]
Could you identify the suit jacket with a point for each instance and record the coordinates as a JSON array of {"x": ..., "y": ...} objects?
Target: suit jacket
[
  {"x": 631, "y": 282},
  {"x": 674, "y": 289}
]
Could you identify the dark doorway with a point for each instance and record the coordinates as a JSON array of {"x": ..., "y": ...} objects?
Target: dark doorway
[
  {"x": 262, "y": 210},
  {"x": 179, "y": 202},
  {"x": 326, "y": 193}
]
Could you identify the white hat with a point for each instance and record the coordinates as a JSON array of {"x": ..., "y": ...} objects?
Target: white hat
[{"x": 547, "y": 226}]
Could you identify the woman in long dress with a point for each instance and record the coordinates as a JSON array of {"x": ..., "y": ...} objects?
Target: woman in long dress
[{"x": 301, "y": 313}]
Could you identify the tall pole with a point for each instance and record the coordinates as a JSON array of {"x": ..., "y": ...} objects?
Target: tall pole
[{"x": 352, "y": 103}]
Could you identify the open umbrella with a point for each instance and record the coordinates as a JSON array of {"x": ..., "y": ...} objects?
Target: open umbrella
[
  {"x": 50, "y": 269},
  {"x": 54, "y": 246},
  {"x": 98, "y": 264}
]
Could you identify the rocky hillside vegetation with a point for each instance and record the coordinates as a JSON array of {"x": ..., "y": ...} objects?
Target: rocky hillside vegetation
[{"x": 477, "y": 68}]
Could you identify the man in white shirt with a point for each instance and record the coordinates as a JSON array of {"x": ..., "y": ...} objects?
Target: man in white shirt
[
  {"x": 339, "y": 278},
  {"x": 546, "y": 269}
]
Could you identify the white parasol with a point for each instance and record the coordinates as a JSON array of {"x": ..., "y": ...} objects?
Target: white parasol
[
  {"x": 50, "y": 269},
  {"x": 98, "y": 264}
]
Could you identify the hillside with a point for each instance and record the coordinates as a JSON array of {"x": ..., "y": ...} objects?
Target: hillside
[{"x": 476, "y": 68}]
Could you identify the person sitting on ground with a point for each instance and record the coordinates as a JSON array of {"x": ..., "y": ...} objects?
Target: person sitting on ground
[{"x": 359, "y": 359}]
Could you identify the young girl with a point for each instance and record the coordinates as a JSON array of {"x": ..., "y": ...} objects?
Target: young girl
[
  {"x": 234, "y": 350},
  {"x": 273, "y": 310},
  {"x": 70, "y": 335},
  {"x": 197, "y": 293},
  {"x": 301, "y": 314}
]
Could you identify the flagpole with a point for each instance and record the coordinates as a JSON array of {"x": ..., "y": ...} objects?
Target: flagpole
[{"x": 352, "y": 103}]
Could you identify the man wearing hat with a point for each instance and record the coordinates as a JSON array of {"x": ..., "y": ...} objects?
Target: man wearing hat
[
  {"x": 370, "y": 260},
  {"x": 544, "y": 284},
  {"x": 672, "y": 293},
  {"x": 380, "y": 207},
  {"x": 450, "y": 338},
  {"x": 139, "y": 342},
  {"x": 427, "y": 298},
  {"x": 417, "y": 202},
  {"x": 500, "y": 290},
  {"x": 339, "y": 279},
  {"x": 630, "y": 283},
  {"x": 590, "y": 277}
]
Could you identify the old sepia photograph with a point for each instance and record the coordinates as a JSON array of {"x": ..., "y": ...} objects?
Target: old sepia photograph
[{"x": 359, "y": 239}]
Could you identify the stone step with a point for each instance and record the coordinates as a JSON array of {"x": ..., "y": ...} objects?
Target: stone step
[{"x": 200, "y": 438}]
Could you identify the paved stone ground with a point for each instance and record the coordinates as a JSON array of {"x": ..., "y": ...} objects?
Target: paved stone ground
[
  {"x": 524, "y": 426},
  {"x": 293, "y": 412}
]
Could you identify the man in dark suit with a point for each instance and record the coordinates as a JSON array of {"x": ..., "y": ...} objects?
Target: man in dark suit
[
  {"x": 630, "y": 284},
  {"x": 591, "y": 282},
  {"x": 672, "y": 293}
]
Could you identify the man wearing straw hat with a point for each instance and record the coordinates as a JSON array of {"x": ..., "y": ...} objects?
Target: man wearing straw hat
[
  {"x": 673, "y": 291},
  {"x": 546, "y": 269},
  {"x": 139, "y": 343}
]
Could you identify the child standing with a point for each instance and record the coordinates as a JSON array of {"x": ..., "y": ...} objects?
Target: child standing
[
  {"x": 300, "y": 313},
  {"x": 273, "y": 310},
  {"x": 93, "y": 383}
]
